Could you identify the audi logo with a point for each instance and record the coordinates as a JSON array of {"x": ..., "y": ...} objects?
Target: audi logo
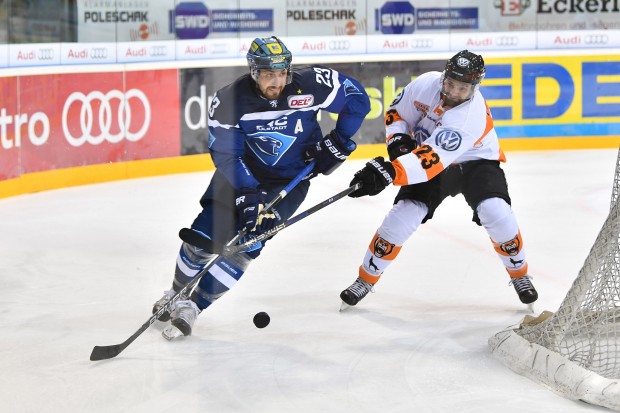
[
  {"x": 98, "y": 53},
  {"x": 103, "y": 103},
  {"x": 596, "y": 39},
  {"x": 339, "y": 45},
  {"x": 506, "y": 41},
  {"x": 421, "y": 43},
  {"x": 155, "y": 51},
  {"x": 45, "y": 54}
]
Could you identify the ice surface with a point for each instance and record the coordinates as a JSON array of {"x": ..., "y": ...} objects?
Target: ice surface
[{"x": 82, "y": 266}]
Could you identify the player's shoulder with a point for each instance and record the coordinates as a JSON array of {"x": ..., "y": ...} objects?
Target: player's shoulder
[
  {"x": 233, "y": 100},
  {"x": 427, "y": 78},
  {"x": 239, "y": 87},
  {"x": 468, "y": 115}
]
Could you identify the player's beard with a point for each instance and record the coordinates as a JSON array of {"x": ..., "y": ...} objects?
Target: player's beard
[
  {"x": 449, "y": 102},
  {"x": 273, "y": 92}
]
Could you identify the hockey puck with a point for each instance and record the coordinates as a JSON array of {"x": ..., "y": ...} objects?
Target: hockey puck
[{"x": 261, "y": 320}]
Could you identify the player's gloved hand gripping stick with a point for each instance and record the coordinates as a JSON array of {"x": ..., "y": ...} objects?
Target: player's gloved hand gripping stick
[
  {"x": 198, "y": 240},
  {"x": 107, "y": 352}
]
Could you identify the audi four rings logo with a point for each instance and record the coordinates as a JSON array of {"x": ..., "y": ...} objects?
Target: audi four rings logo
[
  {"x": 98, "y": 53},
  {"x": 595, "y": 39},
  {"x": 507, "y": 41},
  {"x": 421, "y": 43},
  {"x": 158, "y": 51},
  {"x": 45, "y": 54},
  {"x": 103, "y": 104},
  {"x": 339, "y": 45}
]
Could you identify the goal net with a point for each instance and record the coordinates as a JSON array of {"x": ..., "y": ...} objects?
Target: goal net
[{"x": 575, "y": 351}]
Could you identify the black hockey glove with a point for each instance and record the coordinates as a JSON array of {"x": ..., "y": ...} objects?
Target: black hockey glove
[
  {"x": 374, "y": 177},
  {"x": 400, "y": 144},
  {"x": 329, "y": 153},
  {"x": 250, "y": 202}
]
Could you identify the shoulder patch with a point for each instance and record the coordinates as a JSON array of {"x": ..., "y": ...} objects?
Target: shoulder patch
[
  {"x": 397, "y": 99},
  {"x": 350, "y": 88}
]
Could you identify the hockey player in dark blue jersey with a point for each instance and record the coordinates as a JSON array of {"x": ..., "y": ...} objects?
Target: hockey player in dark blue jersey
[{"x": 263, "y": 132}]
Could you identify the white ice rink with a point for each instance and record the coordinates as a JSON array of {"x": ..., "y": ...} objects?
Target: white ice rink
[{"x": 82, "y": 266}]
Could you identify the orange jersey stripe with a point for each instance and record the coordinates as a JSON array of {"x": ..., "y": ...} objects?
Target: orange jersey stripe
[
  {"x": 401, "y": 174},
  {"x": 489, "y": 125},
  {"x": 391, "y": 116},
  {"x": 429, "y": 160}
]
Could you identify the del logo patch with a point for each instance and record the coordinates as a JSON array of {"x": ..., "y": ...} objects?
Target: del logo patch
[{"x": 301, "y": 101}]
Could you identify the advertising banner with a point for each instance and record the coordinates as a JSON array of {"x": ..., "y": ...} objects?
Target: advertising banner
[
  {"x": 34, "y": 54},
  {"x": 529, "y": 96},
  {"x": 554, "y": 96},
  {"x": 140, "y": 20},
  {"x": 123, "y": 21},
  {"x": 326, "y": 18},
  {"x": 90, "y": 118},
  {"x": 10, "y": 135}
]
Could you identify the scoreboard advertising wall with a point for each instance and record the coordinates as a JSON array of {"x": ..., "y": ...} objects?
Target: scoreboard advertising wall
[
  {"x": 530, "y": 97},
  {"x": 101, "y": 118}
]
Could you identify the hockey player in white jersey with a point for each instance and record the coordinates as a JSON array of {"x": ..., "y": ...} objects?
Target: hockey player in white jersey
[
  {"x": 441, "y": 142},
  {"x": 263, "y": 132}
]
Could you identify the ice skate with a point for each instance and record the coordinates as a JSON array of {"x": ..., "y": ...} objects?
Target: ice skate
[
  {"x": 171, "y": 332},
  {"x": 524, "y": 288},
  {"x": 354, "y": 293},
  {"x": 165, "y": 316},
  {"x": 183, "y": 318}
]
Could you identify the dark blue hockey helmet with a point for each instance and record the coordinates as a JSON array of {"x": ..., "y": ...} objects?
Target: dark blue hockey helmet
[{"x": 269, "y": 53}]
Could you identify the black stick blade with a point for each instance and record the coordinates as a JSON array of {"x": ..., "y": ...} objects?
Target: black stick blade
[{"x": 106, "y": 352}]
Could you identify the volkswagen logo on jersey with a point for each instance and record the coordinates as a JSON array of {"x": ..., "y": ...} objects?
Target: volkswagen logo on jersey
[
  {"x": 269, "y": 147},
  {"x": 449, "y": 140}
]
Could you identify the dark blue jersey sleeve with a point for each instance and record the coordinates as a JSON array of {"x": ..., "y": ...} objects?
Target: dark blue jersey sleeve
[{"x": 351, "y": 103}]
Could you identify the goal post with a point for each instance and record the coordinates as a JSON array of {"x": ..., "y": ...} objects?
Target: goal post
[{"x": 575, "y": 351}]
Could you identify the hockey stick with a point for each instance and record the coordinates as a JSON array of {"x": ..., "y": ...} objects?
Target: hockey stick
[
  {"x": 196, "y": 239},
  {"x": 108, "y": 352}
]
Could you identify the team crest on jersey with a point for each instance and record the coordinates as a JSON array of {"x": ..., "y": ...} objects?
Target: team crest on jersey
[
  {"x": 381, "y": 247},
  {"x": 269, "y": 147},
  {"x": 448, "y": 140},
  {"x": 421, "y": 106},
  {"x": 350, "y": 88},
  {"x": 300, "y": 101}
]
